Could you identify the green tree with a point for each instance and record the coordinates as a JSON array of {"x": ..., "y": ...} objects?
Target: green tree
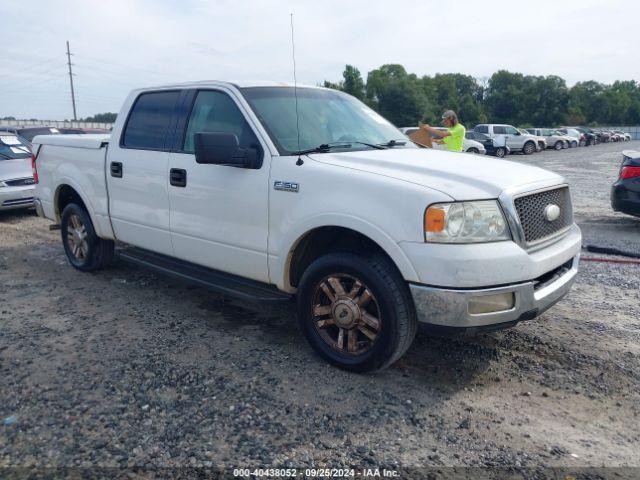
[{"x": 101, "y": 118}]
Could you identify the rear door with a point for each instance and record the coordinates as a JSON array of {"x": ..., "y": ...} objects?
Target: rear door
[
  {"x": 137, "y": 172},
  {"x": 219, "y": 214}
]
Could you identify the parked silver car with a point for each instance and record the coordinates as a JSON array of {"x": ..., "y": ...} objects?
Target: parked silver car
[
  {"x": 16, "y": 176},
  {"x": 508, "y": 135},
  {"x": 555, "y": 140},
  {"x": 541, "y": 142}
]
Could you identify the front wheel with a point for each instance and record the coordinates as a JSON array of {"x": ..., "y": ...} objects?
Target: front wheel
[
  {"x": 473, "y": 150},
  {"x": 529, "y": 148},
  {"x": 356, "y": 311},
  {"x": 85, "y": 250},
  {"x": 558, "y": 145}
]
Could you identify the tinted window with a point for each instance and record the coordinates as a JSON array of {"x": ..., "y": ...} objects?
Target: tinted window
[
  {"x": 499, "y": 130},
  {"x": 30, "y": 133},
  {"x": 12, "y": 147},
  {"x": 482, "y": 129},
  {"x": 511, "y": 130},
  {"x": 215, "y": 111},
  {"x": 149, "y": 120}
]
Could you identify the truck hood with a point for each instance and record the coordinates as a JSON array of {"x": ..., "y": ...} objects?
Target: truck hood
[
  {"x": 17, "y": 168},
  {"x": 461, "y": 176}
]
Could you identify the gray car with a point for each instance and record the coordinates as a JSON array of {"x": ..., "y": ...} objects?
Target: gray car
[
  {"x": 554, "y": 139},
  {"x": 16, "y": 176}
]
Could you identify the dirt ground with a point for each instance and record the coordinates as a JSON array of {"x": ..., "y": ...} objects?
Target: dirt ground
[{"x": 123, "y": 368}]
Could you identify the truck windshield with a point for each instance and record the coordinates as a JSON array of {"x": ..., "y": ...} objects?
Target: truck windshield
[{"x": 325, "y": 117}]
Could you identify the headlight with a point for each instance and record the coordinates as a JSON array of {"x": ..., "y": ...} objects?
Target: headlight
[{"x": 465, "y": 222}]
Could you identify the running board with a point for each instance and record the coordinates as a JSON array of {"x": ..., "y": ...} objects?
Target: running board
[{"x": 220, "y": 282}]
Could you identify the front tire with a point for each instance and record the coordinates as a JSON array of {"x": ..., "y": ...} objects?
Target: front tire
[
  {"x": 473, "y": 150},
  {"x": 356, "y": 311},
  {"x": 529, "y": 148},
  {"x": 85, "y": 250},
  {"x": 558, "y": 145}
]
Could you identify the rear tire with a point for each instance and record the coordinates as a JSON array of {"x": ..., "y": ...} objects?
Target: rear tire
[
  {"x": 356, "y": 311},
  {"x": 473, "y": 150},
  {"x": 85, "y": 250},
  {"x": 501, "y": 152},
  {"x": 558, "y": 145}
]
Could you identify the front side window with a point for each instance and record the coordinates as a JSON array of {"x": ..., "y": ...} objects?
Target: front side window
[
  {"x": 511, "y": 130},
  {"x": 324, "y": 117},
  {"x": 149, "y": 120},
  {"x": 215, "y": 111}
]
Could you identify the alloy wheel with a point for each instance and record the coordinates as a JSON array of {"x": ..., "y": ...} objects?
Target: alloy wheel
[
  {"x": 346, "y": 314},
  {"x": 77, "y": 238}
]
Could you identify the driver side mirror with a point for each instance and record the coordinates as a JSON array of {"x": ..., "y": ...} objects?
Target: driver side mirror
[{"x": 224, "y": 149}]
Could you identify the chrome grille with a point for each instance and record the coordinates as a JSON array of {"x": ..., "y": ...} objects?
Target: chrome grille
[
  {"x": 531, "y": 212},
  {"x": 19, "y": 182}
]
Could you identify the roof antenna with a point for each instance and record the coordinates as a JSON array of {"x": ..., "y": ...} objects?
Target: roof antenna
[{"x": 295, "y": 90}]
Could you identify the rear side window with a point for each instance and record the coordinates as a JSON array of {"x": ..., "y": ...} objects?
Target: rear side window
[
  {"x": 215, "y": 111},
  {"x": 499, "y": 130},
  {"x": 149, "y": 120},
  {"x": 482, "y": 129}
]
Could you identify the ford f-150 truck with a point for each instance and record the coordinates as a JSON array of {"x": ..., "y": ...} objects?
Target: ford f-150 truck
[{"x": 272, "y": 192}]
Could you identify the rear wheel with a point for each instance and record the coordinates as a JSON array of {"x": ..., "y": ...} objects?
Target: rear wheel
[
  {"x": 473, "y": 150},
  {"x": 85, "y": 250},
  {"x": 501, "y": 152},
  {"x": 356, "y": 311},
  {"x": 558, "y": 145},
  {"x": 529, "y": 148}
]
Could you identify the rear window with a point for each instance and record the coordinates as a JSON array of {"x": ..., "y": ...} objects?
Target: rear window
[
  {"x": 12, "y": 147},
  {"x": 149, "y": 120}
]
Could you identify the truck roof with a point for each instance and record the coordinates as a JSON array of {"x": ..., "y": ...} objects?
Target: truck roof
[{"x": 237, "y": 84}]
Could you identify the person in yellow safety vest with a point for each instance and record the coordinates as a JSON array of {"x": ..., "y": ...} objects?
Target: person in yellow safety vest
[{"x": 453, "y": 136}]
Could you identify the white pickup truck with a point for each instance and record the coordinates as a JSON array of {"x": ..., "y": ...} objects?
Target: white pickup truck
[{"x": 269, "y": 192}]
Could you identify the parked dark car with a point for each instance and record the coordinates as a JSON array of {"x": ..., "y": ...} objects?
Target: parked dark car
[
  {"x": 625, "y": 192},
  {"x": 83, "y": 131},
  {"x": 27, "y": 133},
  {"x": 499, "y": 151},
  {"x": 590, "y": 137}
]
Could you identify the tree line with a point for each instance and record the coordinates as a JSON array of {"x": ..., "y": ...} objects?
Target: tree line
[{"x": 505, "y": 97}]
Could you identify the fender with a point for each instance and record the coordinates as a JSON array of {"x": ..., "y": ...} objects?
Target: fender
[
  {"x": 280, "y": 255},
  {"x": 101, "y": 222}
]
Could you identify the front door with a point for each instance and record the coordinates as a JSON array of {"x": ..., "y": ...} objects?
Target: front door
[
  {"x": 219, "y": 214},
  {"x": 137, "y": 168}
]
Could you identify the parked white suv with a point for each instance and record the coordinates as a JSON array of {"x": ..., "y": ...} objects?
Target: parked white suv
[
  {"x": 225, "y": 185},
  {"x": 555, "y": 140},
  {"x": 509, "y": 135},
  {"x": 469, "y": 146}
]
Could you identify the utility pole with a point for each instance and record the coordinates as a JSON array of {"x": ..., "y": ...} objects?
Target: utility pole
[{"x": 73, "y": 95}]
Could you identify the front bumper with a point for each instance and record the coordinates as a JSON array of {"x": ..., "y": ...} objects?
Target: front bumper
[
  {"x": 16, "y": 197},
  {"x": 446, "y": 307}
]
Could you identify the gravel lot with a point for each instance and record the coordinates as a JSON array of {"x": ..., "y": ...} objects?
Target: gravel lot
[{"x": 127, "y": 369}]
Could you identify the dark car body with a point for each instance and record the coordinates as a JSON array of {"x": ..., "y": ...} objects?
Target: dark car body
[
  {"x": 28, "y": 133},
  {"x": 625, "y": 192},
  {"x": 83, "y": 131},
  {"x": 487, "y": 141},
  {"x": 591, "y": 138}
]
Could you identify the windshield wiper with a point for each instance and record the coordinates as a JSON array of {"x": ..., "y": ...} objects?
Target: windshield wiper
[
  {"x": 393, "y": 143},
  {"x": 326, "y": 147}
]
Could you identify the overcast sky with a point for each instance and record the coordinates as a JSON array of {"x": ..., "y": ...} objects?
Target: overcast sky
[{"x": 122, "y": 44}]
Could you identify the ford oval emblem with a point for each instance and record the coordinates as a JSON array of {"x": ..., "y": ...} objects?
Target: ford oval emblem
[{"x": 552, "y": 212}]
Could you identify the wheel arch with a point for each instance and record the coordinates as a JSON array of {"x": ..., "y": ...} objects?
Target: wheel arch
[{"x": 322, "y": 239}]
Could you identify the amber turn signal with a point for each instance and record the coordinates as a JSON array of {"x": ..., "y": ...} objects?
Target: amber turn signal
[{"x": 434, "y": 219}]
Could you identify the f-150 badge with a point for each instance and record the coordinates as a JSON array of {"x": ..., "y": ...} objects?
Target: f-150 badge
[{"x": 286, "y": 186}]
